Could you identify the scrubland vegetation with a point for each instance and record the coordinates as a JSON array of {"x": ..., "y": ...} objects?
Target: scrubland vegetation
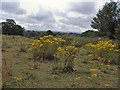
[{"x": 30, "y": 63}]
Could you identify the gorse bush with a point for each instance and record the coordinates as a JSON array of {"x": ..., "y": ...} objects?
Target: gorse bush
[
  {"x": 50, "y": 47},
  {"x": 104, "y": 49},
  {"x": 104, "y": 45},
  {"x": 67, "y": 55},
  {"x": 45, "y": 47}
]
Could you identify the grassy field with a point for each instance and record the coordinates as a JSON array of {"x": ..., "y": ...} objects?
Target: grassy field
[{"x": 18, "y": 70}]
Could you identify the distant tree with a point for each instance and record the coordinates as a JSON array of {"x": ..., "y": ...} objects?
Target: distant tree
[
  {"x": 11, "y": 28},
  {"x": 18, "y": 30},
  {"x": 49, "y": 32},
  {"x": 106, "y": 19},
  {"x": 35, "y": 34},
  {"x": 89, "y": 33}
]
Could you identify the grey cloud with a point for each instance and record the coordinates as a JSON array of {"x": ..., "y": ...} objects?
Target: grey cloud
[
  {"x": 83, "y": 7},
  {"x": 80, "y": 22},
  {"x": 5, "y": 16},
  {"x": 41, "y": 20},
  {"x": 39, "y": 26},
  {"x": 31, "y": 26},
  {"x": 12, "y": 8},
  {"x": 44, "y": 16},
  {"x": 88, "y": 9}
]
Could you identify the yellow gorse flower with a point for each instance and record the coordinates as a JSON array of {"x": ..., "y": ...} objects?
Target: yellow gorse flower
[
  {"x": 99, "y": 38},
  {"x": 106, "y": 85},
  {"x": 46, "y": 41},
  {"x": 94, "y": 75},
  {"x": 90, "y": 55},
  {"x": 104, "y": 45},
  {"x": 68, "y": 50},
  {"x": 99, "y": 58},
  {"x": 108, "y": 65},
  {"x": 93, "y": 69},
  {"x": 78, "y": 78},
  {"x": 18, "y": 78},
  {"x": 60, "y": 49}
]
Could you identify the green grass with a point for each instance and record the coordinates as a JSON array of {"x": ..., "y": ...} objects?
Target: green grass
[{"x": 20, "y": 64}]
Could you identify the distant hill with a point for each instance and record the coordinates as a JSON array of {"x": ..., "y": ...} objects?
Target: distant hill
[{"x": 89, "y": 33}]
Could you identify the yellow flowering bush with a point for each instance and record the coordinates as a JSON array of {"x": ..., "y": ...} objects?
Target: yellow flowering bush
[
  {"x": 67, "y": 54},
  {"x": 105, "y": 45},
  {"x": 45, "y": 47},
  {"x": 103, "y": 49}
]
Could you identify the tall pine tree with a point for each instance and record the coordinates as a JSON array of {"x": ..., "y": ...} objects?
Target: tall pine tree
[{"x": 106, "y": 19}]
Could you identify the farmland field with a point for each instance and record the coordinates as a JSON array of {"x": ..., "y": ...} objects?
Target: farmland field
[{"x": 19, "y": 71}]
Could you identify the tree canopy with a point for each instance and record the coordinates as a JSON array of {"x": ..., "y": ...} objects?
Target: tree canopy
[
  {"x": 11, "y": 28},
  {"x": 107, "y": 19}
]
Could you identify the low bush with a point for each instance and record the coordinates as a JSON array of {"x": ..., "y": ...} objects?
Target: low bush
[
  {"x": 67, "y": 55},
  {"x": 45, "y": 47},
  {"x": 104, "y": 50}
]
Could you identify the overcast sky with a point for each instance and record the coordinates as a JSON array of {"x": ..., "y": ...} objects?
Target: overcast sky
[{"x": 56, "y": 15}]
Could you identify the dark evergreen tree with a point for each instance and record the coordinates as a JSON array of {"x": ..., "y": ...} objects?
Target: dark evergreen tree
[
  {"x": 106, "y": 19},
  {"x": 49, "y": 32}
]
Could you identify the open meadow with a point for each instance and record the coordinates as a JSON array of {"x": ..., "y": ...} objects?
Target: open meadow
[{"x": 86, "y": 67}]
